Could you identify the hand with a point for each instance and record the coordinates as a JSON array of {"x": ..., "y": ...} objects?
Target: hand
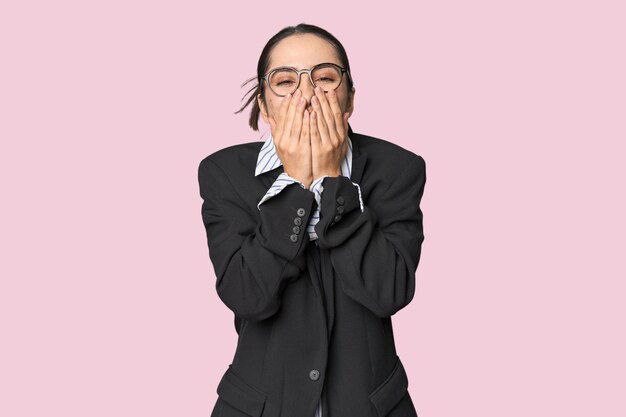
[
  {"x": 329, "y": 134},
  {"x": 291, "y": 136}
]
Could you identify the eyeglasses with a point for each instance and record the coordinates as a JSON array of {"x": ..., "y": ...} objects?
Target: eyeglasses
[{"x": 285, "y": 80}]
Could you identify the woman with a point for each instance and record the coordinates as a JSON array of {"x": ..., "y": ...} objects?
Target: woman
[{"x": 315, "y": 235}]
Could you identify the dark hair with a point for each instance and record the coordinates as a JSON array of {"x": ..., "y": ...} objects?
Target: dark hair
[{"x": 264, "y": 61}]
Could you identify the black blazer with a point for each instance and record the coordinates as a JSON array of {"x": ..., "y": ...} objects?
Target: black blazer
[{"x": 314, "y": 318}]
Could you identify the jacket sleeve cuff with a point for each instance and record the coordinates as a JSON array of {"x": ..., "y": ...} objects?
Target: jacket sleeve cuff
[
  {"x": 341, "y": 204},
  {"x": 284, "y": 219},
  {"x": 316, "y": 187}
]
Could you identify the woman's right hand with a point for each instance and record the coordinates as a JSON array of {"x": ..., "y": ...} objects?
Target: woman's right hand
[{"x": 292, "y": 139}]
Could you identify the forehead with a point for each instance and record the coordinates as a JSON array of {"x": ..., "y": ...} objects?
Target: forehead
[{"x": 302, "y": 51}]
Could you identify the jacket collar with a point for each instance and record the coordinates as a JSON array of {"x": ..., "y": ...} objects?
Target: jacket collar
[{"x": 359, "y": 157}]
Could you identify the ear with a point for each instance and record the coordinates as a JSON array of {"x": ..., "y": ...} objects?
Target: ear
[
  {"x": 350, "y": 104},
  {"x": 262, "y": 108}
]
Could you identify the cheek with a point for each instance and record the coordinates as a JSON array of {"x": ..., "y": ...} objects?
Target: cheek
[
  {"x": 343, "y": 102},
  {"x": 273, "y": 106}
]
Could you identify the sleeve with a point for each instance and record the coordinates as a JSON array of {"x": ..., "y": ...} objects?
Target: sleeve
[
  {"x": 375, "y": 253},
  {"x": 254, "y": 255},
  {"x": 316, "y": 187},
  {"x": 279, "y": 184}
]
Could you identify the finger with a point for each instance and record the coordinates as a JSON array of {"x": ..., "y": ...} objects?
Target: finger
[
  {"x": 326, "y": 110},
  {"x": 282, "y": 113},
  {"x": 306, "y": 127},
  {"x": 314, "y": 131},
  {"x": 291, "y": 111},
  {"x": 337, "y": 114},
  {"x": 296, "y": 128},
  {"x": 320, "y": 122},
  {"x": 279, "y": 122}
]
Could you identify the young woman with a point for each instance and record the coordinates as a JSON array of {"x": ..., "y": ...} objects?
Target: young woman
[{"x": 315, "y": 236}]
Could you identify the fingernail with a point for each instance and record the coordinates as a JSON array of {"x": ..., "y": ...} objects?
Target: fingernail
[
  {"x": 314, "y": 100},
  {"x": 288, "y": 96}
]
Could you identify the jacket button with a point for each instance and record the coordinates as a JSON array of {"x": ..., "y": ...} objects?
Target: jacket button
[
  {"x": 301, "y": 212},
  {"x": 294, "y": 238},
  {"x": 340, "y": 200},
  {"x": 340, "y": 209},
  {"x": 297, "y": 221},
  {"x": 337, "y": 218},
  {"x": 314, "y": 374},
  {"x": 296, "y": 229}
]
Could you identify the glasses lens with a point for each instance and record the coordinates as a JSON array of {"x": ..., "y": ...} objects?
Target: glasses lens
[
  {"x": 328, "y": 77},
  {"x": 283, "y": 81}
]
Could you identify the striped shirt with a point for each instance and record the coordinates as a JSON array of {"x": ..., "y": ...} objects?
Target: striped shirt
[{"x": 268, "y": 160}]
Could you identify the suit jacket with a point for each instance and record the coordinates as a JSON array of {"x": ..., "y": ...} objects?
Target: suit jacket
[{"x": 314, "y": 317}]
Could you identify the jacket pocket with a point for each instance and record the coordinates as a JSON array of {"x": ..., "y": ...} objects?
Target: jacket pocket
[
  {"x": 240, "y": 395},
  {"x": 391, "y": 390}
]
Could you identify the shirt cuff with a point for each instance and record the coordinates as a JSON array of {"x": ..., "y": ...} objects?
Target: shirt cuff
[
  {"x": 279, "y": 184},
  {"x": 317, "y": 188}
]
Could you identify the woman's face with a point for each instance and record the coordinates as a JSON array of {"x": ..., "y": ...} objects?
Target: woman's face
[{"x": 303, "y": 51}]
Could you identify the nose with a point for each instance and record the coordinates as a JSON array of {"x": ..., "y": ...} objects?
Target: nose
[{"x": 307, "y": 89}]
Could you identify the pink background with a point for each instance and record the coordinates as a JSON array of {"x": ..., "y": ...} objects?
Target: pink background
[{"x": 107, "y": 300}]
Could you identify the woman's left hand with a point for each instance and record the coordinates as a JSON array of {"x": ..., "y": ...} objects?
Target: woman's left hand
[{"x": 329, "y": 134}]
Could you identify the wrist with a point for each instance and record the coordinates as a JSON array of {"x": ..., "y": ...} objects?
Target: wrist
[{"x": 328, "y": 173}]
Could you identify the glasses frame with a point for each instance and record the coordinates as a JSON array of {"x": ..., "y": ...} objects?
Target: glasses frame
[{"x": 267, "y": 76}]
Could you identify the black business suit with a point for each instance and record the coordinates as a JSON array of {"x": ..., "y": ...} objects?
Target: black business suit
[{"x": 315, "y": 316}]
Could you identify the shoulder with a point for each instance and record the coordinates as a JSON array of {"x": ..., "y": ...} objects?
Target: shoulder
[
  {"x": 233, "y": 159},
  {"x": 385, "y": 153}
]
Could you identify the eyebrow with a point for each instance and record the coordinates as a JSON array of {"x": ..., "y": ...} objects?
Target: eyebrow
[{"x": 297, "y": 69}]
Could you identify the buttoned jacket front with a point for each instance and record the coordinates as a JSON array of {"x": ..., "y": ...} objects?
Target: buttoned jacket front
[{"x": 314, "y": 317}]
